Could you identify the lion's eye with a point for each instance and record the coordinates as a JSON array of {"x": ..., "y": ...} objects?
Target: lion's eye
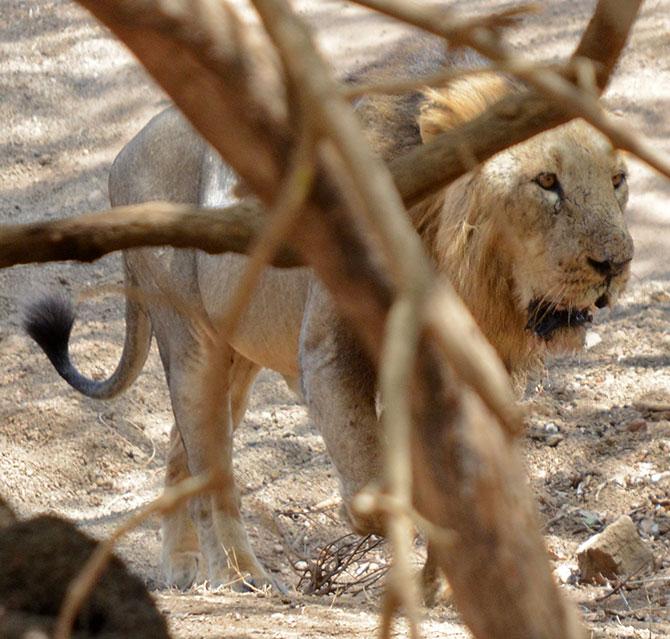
[
  {"x": 548, "y": 181},
  {"x": 618, "y": 179}
]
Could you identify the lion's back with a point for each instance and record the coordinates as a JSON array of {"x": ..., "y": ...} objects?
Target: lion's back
[{"x": 390, "y": 121}]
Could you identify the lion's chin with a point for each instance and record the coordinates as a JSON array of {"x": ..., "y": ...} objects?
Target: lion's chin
[{"x": 550, "y": 323}]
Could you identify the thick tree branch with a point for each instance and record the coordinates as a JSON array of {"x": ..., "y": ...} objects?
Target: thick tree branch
[
  {"x": 89, "y": 237},
  {"x": 606, "y": 36},
  {"x": 236, "y": 102}
]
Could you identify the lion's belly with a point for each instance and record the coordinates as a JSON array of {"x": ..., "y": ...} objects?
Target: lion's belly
[{"x": 269, "y": 332}]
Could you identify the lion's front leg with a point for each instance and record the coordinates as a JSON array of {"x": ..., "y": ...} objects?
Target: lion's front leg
[
  {"x": 338, "y": 384},
  {"x": 340, "y": 391}
]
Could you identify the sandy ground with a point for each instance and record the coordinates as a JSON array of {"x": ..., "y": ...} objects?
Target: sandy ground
[{"x": 599, "y": 441}]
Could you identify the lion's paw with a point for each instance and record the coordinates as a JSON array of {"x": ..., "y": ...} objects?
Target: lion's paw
[{"x": 181, "y": 570}]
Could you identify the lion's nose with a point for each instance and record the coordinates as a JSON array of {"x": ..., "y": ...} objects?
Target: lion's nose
[{"x": 607, "y": 268}]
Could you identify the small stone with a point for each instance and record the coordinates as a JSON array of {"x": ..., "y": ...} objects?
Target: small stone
[
  {"x": 550, "y": 428},
  {"x": 554, "y": 440},
  {"x": 301, "y": 565},
  {"x": 617, "y": 550},
  {"x": 590, "y": 519},
  {"x": 563, "y": 573},
  {"x": 660, "y": 296},
  {"x": 592, "y": 339},
  {"x": 649, "y": 527}
]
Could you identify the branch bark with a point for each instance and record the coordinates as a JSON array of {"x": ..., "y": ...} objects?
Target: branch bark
[{"x": 90, "y": 236}]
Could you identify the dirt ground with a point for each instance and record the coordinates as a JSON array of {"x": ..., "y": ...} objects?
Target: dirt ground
[{"x": 599, "y": 438}]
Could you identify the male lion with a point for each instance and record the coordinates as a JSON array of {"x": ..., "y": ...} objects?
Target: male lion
[{"x": 533, "y": 240}]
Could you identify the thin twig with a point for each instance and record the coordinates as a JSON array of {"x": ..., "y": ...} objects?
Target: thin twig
[
  {"x": 80, "y": 588},
  {"x": 403, "y": 329},
  {"x": 622, "y": 583},
  {"x": 286, "y": 211},
  {"x": 369, "y": 501},
  {"x": 444, "y": 77}
]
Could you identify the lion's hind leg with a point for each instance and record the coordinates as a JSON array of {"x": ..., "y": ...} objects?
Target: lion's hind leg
[
  {"x": 181, "y": 552},
  {"x": 217, "y": 520}
]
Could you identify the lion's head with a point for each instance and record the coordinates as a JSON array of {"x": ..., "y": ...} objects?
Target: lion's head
[{"x": 534, "y": 239}]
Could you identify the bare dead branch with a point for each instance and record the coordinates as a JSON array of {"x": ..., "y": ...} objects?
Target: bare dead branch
[
  {"x": 389, "y": 222},
  {"x": 403, "y": 330},
  {"x": 286, "y": 212},
  {"x": 90, "y": 236},
  {"x": 386, "y": 217},
  {"x": 606, "y": 35},
  {"x": 441, "y": 78}
]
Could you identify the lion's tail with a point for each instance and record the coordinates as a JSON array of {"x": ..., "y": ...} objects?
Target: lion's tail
[{"x": 49, "y": 322}]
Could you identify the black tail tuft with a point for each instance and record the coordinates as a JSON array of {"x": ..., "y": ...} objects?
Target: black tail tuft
[{"x": 49, "y": 322}]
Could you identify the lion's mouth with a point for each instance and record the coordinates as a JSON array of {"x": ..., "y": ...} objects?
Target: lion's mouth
[{"x": 545, "y": 319}]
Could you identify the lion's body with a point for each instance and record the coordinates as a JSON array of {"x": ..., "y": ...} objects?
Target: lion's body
[{"x": 494, "y": 232}]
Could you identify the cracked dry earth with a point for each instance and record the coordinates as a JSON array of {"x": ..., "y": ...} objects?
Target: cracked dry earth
[{"x": 599, "y": 439}]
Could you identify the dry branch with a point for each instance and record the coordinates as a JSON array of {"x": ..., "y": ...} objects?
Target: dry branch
[
  {"x": 403, "y": 331},
  {"x": 406, "y": 260},
  {"x": 329, "y": 572},
  {"x": 90, "y": 236}
]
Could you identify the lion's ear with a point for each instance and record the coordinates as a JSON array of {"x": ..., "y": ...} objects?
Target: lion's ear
[{"x": 458, "y": 102}]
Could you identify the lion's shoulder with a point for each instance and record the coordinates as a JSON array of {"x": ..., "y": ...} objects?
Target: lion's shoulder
[
  {"x": 460, "y": 101},
  {"x": 391, "y": 121}
]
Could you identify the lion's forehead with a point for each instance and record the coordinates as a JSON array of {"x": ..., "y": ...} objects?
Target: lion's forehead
[{"x": 573, "y": 151}]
